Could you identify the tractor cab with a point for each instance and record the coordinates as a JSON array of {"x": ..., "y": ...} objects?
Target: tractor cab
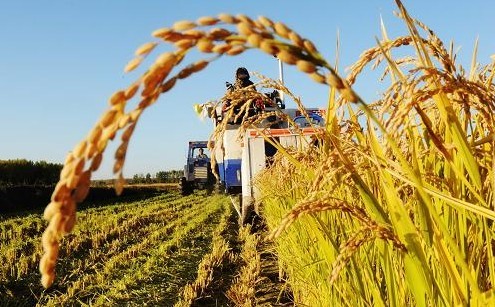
[{"x": 197, "y": 170}]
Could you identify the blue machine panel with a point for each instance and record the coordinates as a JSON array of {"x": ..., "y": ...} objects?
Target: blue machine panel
[
  {"x": 221, "y": 171},
  {"x": 232, "y": 173}
]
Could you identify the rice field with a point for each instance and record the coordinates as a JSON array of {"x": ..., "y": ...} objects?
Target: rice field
[
  {"x": 393, "y": 206},
  {"x": 141, "y": 252}
]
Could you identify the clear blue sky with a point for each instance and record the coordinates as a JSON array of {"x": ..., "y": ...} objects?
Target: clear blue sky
[{"x": 61, "y": 60}]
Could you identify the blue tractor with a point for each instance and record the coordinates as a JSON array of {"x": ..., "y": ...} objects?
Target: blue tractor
[{"x": 197, "y": 170}]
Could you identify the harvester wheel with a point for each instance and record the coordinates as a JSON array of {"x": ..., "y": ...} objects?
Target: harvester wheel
[{"x": 247, "y": 213}]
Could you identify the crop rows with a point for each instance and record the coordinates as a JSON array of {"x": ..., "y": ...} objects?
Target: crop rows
[{"x": 114, "y": 253}]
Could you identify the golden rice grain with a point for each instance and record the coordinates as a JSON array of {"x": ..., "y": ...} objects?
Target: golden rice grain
[
  {"x": 347, "y": 250},
  {"x": 306, "y": 66},
  {"x": 52, "y": 208},
  {"x": 222, "y": 48},
  {"x": 119, "y": 184},
  {"x": 319, "y": 78},
  {"x": 334, "y": 81},
  {"x": 108, "y": 118},
  {"x": 254, "y": 39},
  {"x": 127, "y": 133},
  {"x": 146, "y": 101},
  {"x": 60, "y": 192},
  {"x": 166, "y": 59},
  {"x": 207, "y": 21},
  {"x": 121, "y": 151},
  {"x": 95, "y": 163},
  {"x": 66, "y": 170},
  {"x": 268, "y": 47},
  {"x": 117, "y": 166},
  {"x": 287, "y": 57},
  {"x": 56, "y": 223},
  {"x": 133, "y": 64},
  {"x": 70, "y": 157},
  {"x": 160, "y": 33},
  {"x": 49, "y": 237},
  {"x": 69, "y": 224},
  {"x": 184, "y": 73},
  {"x": 236, "y": 50},
  {"x": 72, "y": 181},
  {"x": 205, "y": 45},
  {"x": 79, "y": 166},
  {"x": 267, "y": 22},
  {"x": 309, "y": 46},
  {"x": 117, "y": 98},
  {"x": 184, "y": 25},
  {"x": 151, "y": 80},
  {"x": 168, "y": 85},
  {"x": 145, "y": 48},
  {"x": 80, "y": 148},
  {"x": 219, "y": 33},
  {"x": 199, "y": 65},
  {"x": 135, "y": 114},
  {"x": 91, "y": 151},
  {"x": 109, "y": 133},
  {"x": 47, "y": 264},
  {"x": 236, "y": 40},
  {"x": 131, "y": 90},
  {"x": 349, "y": 95},
  {"x": 47, "y": 280},
  {"x": 102, "y": 144},
  {"x": 82, "y": 188},
  {"x": 173, "y": 37},
  {"x": 185, "y": 43},
  {"x": 150, "y": 89},
  {"x": 245, "y": 19},
  {"x": 296, "y": 39},
  {"x": 281, "y": 29},
  {"x": 95, "y": 135},
  {"x": 193, "y": 34},
  {"x": 52, "y": 254},
  {"x": 244, "y": 28},
  {"x": 227, "y": 18}
]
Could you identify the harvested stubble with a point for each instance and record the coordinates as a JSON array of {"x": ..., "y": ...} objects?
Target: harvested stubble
[{"x": 220, "y": 253}]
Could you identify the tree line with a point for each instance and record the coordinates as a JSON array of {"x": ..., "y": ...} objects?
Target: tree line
[
  {"x": 171, "y": 176},
  {"x": 26, "y": 172}
]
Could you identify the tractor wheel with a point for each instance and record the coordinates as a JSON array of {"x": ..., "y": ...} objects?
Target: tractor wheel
[{"x": 184, "y": 187}]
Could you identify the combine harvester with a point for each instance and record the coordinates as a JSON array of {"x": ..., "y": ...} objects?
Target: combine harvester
[{"x": 239, "y": 160}]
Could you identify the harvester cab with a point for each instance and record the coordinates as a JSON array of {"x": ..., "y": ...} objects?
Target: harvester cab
[{"x": 197, "y": 170}]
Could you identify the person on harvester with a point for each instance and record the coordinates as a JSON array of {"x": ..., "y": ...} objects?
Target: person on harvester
[
  {"x": 241, "y": 81},
  {"x": 242, "y": 78}
]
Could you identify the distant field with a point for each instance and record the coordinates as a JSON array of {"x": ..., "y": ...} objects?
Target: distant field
[
  {"x": 154, "y": 185},
  {"x": 15, "y": 199}
]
